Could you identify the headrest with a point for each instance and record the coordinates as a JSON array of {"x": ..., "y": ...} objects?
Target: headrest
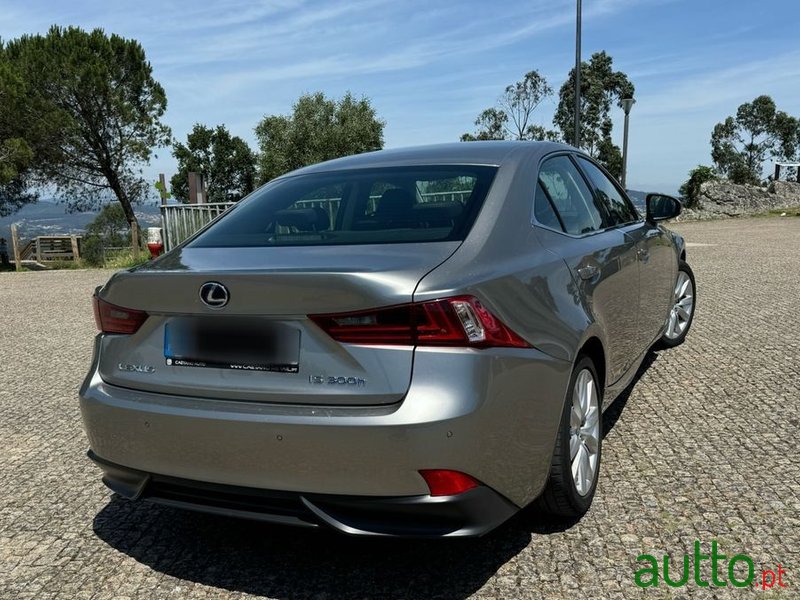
[{"x": 395, "y": 200}]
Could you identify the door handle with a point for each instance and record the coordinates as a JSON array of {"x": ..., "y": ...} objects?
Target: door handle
[{"x": 587, "y": 271}]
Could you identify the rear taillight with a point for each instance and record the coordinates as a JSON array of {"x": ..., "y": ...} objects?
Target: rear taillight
[
  {"x": 458, "y": 321},
  {"x": 115, "y": 319}
]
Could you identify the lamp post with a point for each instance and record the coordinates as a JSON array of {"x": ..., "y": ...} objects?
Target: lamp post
[
  {"x": 577, "y": 140},
  {"x": 627, "y": 105}
]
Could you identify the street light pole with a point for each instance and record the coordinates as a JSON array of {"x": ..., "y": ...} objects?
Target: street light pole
[
  {"x": 627, "y": 105},
  {"x": 577, "y": 139}
]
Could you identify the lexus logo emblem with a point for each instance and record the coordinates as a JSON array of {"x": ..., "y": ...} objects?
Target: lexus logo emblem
[{"x": 214, "y": 295}]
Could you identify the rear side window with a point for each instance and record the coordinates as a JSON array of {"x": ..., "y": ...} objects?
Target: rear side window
[
  {"x": 543, "y": 209},
  {"x": 570, "y": 196},
  {"x": 620, "y": 210},
  {"x": 368, "y": 206}
]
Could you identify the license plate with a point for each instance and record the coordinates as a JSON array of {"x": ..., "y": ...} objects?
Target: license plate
[{"x": 235, "y": 343}]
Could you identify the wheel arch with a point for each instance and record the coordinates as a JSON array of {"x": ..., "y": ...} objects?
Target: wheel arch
[{"x": 593, "y": 348}]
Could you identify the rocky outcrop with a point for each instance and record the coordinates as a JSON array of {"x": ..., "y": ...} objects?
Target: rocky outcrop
[{"x": 720, "y": 199}]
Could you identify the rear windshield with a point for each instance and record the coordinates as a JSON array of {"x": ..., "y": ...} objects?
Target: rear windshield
[{"x": 369, "y": 206}]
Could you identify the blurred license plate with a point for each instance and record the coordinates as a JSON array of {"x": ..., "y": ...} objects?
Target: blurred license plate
[{"x": 244, "y": 344}]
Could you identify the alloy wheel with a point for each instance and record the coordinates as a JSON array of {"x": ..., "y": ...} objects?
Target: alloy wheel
[
  {"x": 681, "y": 313},
  {"x": 584, "y": 432}
]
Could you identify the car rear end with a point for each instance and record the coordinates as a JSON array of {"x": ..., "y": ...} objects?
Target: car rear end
[{"x": 277, "y": 366}]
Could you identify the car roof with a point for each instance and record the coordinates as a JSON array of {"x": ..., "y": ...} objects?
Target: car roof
[{"x": 494, "y": 153}]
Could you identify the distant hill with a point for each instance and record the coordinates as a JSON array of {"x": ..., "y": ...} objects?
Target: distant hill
[{"x": 47, "y": 217}]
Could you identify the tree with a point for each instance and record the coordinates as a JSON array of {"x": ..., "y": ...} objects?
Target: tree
[
  {"x": 107, "y": 229},
  {"x": 89, "y": 109},
  {"x": 318, "y": 129},
  {"x": 690, "y": 190},
  {"x": 740, "y": 145},
  {"x": 601, "y": 86},
  {"x": 15, "y": 159},
  {"x": 16, "y": 155},
  {"x": 511, "y": 118},
  {"x": 226, "y": 162}
]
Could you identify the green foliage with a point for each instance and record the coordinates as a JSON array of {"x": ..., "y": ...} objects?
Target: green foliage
[
  {"x": 162, "y": 190},
  {"x": 89, "y": 109},
  {"x": 111, "y": 225},
  {"x": 65, "y": 265},
  {"x": 318, "y": 129},
  {"x": 226, "y": 162},
  {"x": 690, "y": 190},
  {"x": 510, "y": 118},
  {"x": 610, "y": 156},
  {"x": 108, "y": 229},
  {"x": 92, "y": 250},
  {"x": 124, "y": 259},
  {"x": 740, "y": 145},
  {"x": 15, "y": 194},
  {"x": 16, "y": 154},
  {"x": 490, "y": 125},
  {"x": 601, "y": 87}
]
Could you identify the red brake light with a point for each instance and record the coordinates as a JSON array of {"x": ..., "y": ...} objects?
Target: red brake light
[
  {"x": 115, "y": 319},
  {"x": 457, "y": 321},
  {"x": 443, "y": 482}
]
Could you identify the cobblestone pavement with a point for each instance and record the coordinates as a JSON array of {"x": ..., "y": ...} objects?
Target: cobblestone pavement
[{"x": 703, "y": 447}]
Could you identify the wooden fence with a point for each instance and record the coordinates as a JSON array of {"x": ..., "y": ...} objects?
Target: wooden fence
[{"x": 45, "y": 248}]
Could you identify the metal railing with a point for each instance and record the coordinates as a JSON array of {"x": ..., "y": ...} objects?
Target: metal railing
[{"x": 180, "y": 221}]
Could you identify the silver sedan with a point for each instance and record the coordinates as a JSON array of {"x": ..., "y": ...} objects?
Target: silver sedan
[{"x": 413, "y": 342}]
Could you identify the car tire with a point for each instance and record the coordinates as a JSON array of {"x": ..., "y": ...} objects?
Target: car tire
[
  {"x": 567, "y": 494},
  {"x": 684, "y": 303}
]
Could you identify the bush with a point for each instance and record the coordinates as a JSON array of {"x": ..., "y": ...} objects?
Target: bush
[
  {"x": 92, "y": 250},
  {"x": 61, "y": 265},
  {"x": 124, "y": 259},
  {"x": 690, "y": 190}
]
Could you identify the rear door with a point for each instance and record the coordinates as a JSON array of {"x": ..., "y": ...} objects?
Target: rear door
[{"x": 602, "y": 260}]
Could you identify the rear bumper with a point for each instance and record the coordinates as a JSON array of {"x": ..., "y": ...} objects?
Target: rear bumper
[
  {"x": 472, "y": 513},
  {"x": 492, "y": 414}
]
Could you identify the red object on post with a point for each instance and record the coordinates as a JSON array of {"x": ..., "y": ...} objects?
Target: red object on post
[{"x": 154, "y": 243}]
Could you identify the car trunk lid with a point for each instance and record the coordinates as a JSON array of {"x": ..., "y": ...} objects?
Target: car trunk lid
[{"x": 261, "y": 346}]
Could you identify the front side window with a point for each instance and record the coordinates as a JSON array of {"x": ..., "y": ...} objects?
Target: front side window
[
  {"x": 570, "y": 196},
  {"x": 620, "y": 210},
  {"x": 365, "y": 206}
]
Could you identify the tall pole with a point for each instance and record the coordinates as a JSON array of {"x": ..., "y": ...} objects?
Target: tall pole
[
  {"x": 577, "y": 140},
  {"x": 625, "y": 151},
  {"x": 627, "y": 104},
  {"x": 163, "y": 189}
]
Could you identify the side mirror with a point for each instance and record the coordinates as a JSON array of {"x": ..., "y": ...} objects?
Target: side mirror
[{"x": 661, "y": 207}]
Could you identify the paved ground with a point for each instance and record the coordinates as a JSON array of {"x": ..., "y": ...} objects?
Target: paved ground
[{"x": 704, "y": 447}]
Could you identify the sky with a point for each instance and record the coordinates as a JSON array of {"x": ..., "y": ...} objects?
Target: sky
[{"x": 429, "y": 67}]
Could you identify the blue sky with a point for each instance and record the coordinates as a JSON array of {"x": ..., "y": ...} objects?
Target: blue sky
[{"x": 430, "y": 67}]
